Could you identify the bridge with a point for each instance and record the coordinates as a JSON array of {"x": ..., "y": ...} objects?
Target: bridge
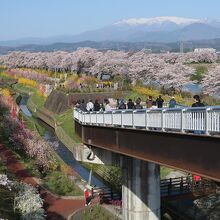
[{"x": 180, "y": 138}]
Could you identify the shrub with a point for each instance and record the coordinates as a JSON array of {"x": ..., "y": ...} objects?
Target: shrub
[
  {"x": 61, "y": 184},
  {"x": 29, "y": 203},
  {"x": 27, "y": 82}
]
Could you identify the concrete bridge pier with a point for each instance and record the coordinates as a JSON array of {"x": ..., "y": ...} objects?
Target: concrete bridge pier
[{"x": 140, "y": 189}]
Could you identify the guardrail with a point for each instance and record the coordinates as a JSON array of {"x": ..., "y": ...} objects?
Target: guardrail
[
  {"x": 174, "y": 187},
  {"x": 199, "y": 120}
]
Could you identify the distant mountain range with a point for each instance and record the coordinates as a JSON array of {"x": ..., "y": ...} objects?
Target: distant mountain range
[
  {"x": 157, "y": 34},
  {"x": 110, "y": 45},
  {"x": 159, "y": 29}
]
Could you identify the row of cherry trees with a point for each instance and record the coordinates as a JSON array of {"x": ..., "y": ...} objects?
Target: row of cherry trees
[
  {"x": 23, "y": 139},
  {"x": 163, "y": 69}
]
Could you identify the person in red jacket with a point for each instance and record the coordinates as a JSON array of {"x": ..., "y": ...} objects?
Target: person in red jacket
[
  {"x": 196, "y": 180},
  {"x": 87, "y": 197}
]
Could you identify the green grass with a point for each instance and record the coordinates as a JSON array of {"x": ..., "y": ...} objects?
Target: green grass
[
  {"x": 98, "y": 213},
  {"x": 65, "y": 120},
  {"x": 200, "y": 73},
  {"x": 164, "y": 171},
  {"x": 32, "y": 124},
  {"x": 23, "y": 89},
  {"x": 37, "y": 100},
  {"x": 60, "y": 184}
]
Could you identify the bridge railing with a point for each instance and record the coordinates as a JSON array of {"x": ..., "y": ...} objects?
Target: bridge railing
[
  {"x": 200, "y": 120},
  {"x": 181, "y": 186}
]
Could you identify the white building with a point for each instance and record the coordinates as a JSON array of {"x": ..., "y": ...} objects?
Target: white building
[{"x": 197, "y": 50}]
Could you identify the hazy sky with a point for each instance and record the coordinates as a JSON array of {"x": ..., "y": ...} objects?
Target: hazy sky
[{"x": 42, "y": 18}]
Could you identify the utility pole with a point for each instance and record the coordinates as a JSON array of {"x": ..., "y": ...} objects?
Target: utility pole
[{"x": 181, "y": 47}]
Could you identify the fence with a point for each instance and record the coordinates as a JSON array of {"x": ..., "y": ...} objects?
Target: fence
[
  {"x": 203, "y": 120},
  {"x": 174, "y": 187}
]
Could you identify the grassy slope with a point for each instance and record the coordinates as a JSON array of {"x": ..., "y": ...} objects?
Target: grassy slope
[
  {"x": 65, "y": 120},
  {"x": 97, "y": 212}
]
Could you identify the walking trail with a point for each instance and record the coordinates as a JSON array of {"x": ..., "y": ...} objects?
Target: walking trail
[{"x": 57, "y": 208}]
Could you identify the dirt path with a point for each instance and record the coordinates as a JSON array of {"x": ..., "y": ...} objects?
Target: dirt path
[{"x": 56, "y": 208}]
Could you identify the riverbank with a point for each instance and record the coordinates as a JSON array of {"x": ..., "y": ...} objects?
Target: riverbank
[{"x": 66, "y": 157}]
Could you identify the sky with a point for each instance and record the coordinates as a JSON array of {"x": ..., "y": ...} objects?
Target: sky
[{"x": 44, "y": 18}]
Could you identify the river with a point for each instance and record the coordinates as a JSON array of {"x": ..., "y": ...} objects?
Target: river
[{"x": 61, "y": 149}]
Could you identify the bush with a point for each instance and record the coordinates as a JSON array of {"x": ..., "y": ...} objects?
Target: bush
[
  {"x": 61, "y": 184},
  {"x": 199, "y": 73},
  {"x": 29, "y": 203}
]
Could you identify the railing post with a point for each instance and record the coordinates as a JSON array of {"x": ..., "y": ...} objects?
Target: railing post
[
  {"x": 82, "y": 117},
  {"x": 103, "y": 118},
  {"x": 169, "y": 187},
  {"x": 133, "y": 119},
  {"x": 146, "y": 122},
  {"x": 122, "y": 119},
  {"x": 182, "y": 120},
  {"x": 181, "y": 185},
  {"x": 112, "y": 117},
  {"x": 207, "y": 121},
  {"x": 162, "y": 119}
]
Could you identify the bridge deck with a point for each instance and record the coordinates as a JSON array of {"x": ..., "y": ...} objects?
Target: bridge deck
[
  {"x": 154, "y": 138},
  {"x": 192, "y": 153}
]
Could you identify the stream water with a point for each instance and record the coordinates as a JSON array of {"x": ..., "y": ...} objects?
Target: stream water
[{"x": 61, "y": 149}]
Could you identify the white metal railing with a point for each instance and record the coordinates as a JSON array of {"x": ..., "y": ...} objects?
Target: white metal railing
[{"x": 200, "y": 120}]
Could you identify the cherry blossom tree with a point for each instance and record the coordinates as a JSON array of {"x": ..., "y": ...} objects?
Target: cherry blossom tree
[
  {"x": 211, "y": 82},
  {"x": 134, "y": 65},
  {"x": 174, "y": 76}
]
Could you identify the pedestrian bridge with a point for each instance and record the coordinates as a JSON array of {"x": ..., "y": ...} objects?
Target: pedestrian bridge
[{"x": 180, "y": 138}]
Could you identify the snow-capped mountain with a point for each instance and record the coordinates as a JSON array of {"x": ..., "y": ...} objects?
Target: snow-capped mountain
[
  {"x": 158, "y": 20},
  {"x": 158, "y": 29}
]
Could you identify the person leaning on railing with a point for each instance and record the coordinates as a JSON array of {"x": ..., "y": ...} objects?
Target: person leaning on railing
[
  {"x": 159, "y": 102},
  {"x": 149, "y": 102},
  {"x": 197, "y": 103},
  {"x": 130, "y": 104},
  {"x": 172, "y": 102}
]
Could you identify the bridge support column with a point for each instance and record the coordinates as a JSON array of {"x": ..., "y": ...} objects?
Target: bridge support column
[{"x": 140, "y": 190}]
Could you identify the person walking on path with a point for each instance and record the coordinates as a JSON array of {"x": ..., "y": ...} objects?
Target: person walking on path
[
  {"x": 88, "y": 197},
  {"x": 159, "y": 102},
  {"x": 189, "y": 181},
  {"x": 196, "y": 180},
  {"x": 172, "y": 102}
]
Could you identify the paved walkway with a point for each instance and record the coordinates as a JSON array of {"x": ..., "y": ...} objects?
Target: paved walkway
[{"x": 56, "y": 208}]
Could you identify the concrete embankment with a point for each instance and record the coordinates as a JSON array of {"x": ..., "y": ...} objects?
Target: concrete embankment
[{"x": 59, "y": 102}]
